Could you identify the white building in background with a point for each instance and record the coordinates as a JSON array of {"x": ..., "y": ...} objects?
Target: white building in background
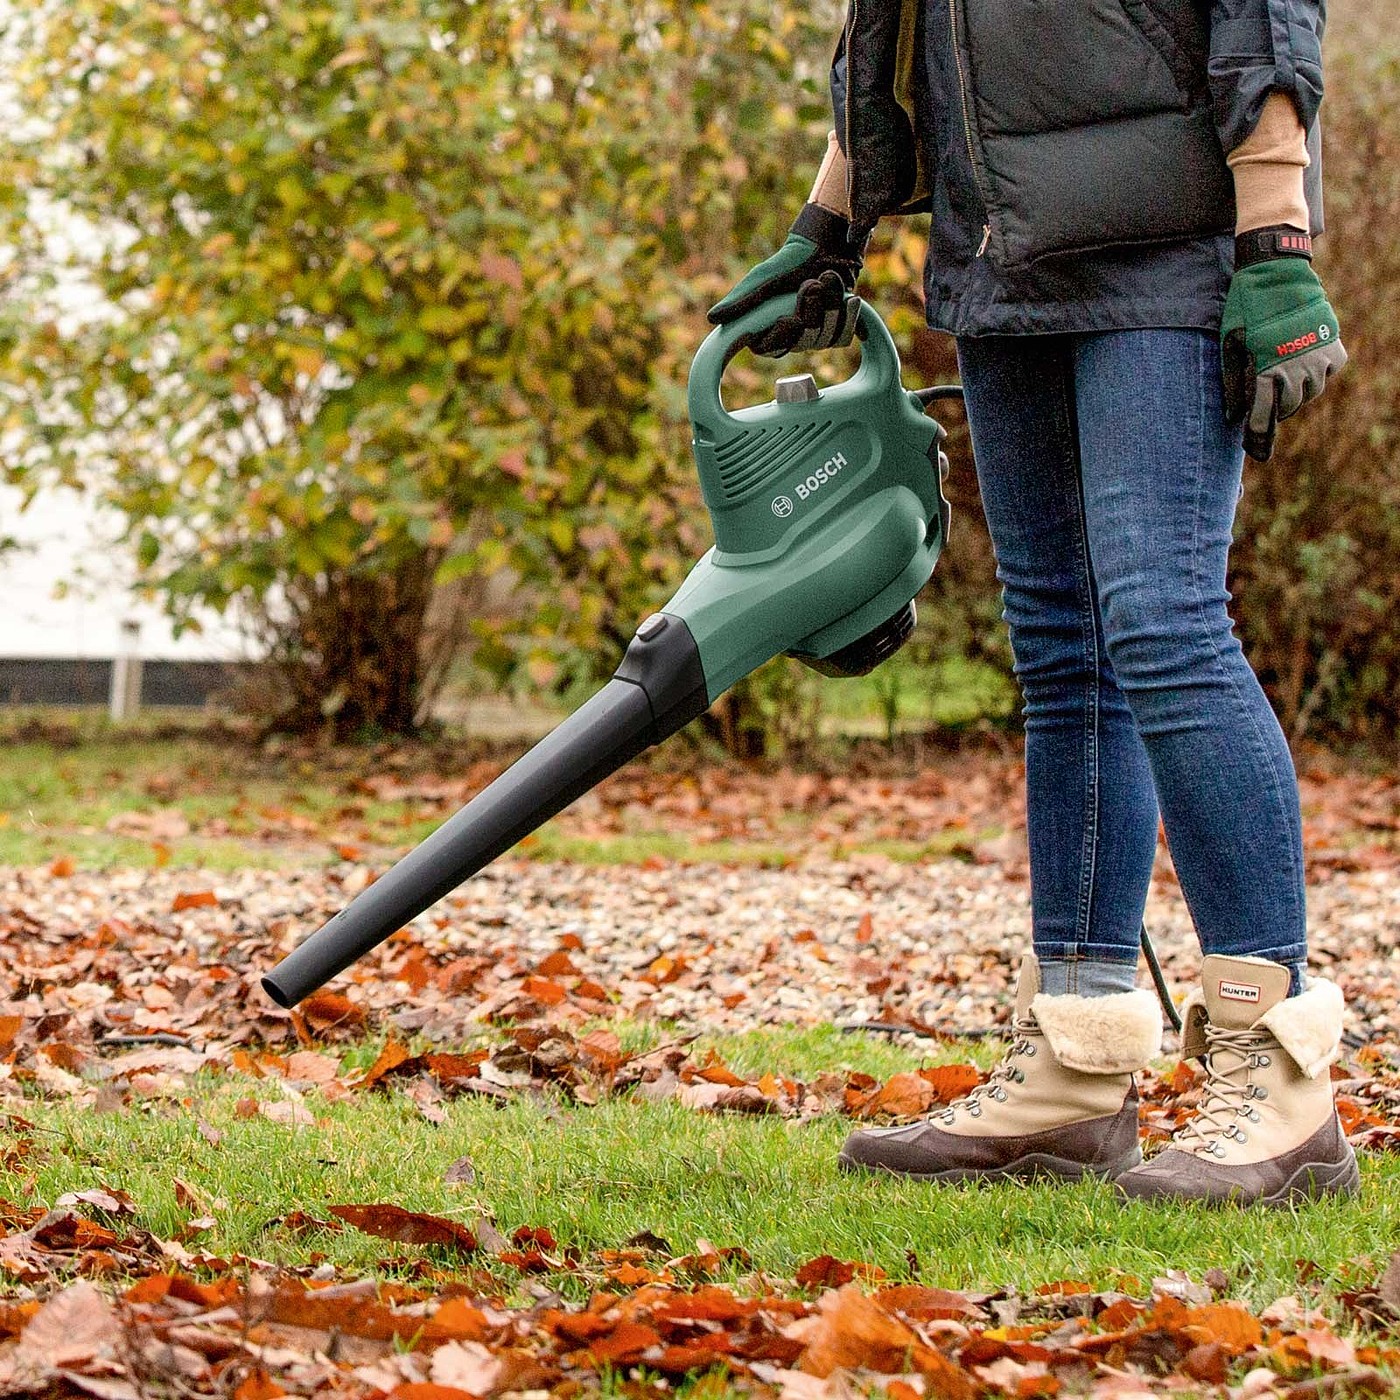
[{"x": 68, "y": 590}]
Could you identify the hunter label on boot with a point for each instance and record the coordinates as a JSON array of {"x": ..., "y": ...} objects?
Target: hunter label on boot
[{"x": 1239, "y": 991}]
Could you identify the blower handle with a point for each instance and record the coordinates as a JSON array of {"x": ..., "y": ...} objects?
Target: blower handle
[{"x": 879, "y": 360}]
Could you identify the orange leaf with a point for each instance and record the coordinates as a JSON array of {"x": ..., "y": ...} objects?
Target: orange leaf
[
  {"x": 445, "y": 1067},
  {"x": 1230, "y": 1324},
  {"x": 458, "y": 1321},
  {"x": 557, "y": 964},
  {"x": 428, "y": 1390},
  {"x": 62, "y": 867},
  {"x": 825, "y": 1272},
  {"x": 390, "y": 1058},
  {"x": 951, "y": 1081},
  {"x": 927, "y": 1304},
  {"x": 542, "y": 989},
  {"x": 390, "y": 1222},
  {"x": 326, "y": 1009},
  {"x": 625, "y": 1344},
  {"x": 257, "y": 1385},
  {"x": 853, "y": 1332},
  {"x": 194, "y": 899}
]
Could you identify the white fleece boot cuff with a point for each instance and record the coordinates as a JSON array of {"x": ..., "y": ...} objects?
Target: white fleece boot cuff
[
  {"x": 1116, "y": 1034},
  {"x": 1309, "y": 1026}
]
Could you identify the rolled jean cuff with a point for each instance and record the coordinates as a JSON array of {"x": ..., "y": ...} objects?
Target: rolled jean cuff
[{"x": 1081, "y": 969}]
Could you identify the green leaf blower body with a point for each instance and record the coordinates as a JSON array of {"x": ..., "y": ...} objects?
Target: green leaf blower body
[{"x": 829, "y": 517}]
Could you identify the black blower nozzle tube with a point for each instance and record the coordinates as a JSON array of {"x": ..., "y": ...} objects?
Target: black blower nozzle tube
[{"x": 658, "y": 689}]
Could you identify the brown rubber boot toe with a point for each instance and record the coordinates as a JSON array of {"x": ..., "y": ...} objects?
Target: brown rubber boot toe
[{"x": 1091, "y": 1147}]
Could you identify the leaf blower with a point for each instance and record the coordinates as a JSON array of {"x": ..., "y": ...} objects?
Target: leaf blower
[{"x": 829, "y": 516}]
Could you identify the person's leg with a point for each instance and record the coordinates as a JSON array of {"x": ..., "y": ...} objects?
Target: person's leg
[
  {"x": 1162, "y": 471},
  {"x": 1162, "y": 474},
  {"x": 1062, "y": 1100},
  {"x": 1091, "y": 809}
]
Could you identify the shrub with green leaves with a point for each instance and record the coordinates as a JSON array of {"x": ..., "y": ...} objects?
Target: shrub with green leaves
[{"x": 391, "y": 293}]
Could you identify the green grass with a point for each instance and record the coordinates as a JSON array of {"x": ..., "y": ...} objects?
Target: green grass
[
  {"x": 596, "y": 1176},
  {"x": 254, "y": 808}
]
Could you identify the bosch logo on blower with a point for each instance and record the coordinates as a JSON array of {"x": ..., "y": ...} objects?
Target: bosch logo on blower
[{"x": 782, "y": 505}]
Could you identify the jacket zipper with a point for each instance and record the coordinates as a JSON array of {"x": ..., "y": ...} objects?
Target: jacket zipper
[
  {"x": 967, "y": 124},
  {"x": 850, "y": 164}
]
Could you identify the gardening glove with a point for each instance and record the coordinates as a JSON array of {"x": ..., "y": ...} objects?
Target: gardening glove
[
  {"x": 1279, "y": 337},
  {"x": 819, "y": 262}
]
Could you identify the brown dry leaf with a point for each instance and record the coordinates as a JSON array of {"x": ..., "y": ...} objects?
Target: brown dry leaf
[
  {"x": 70, "y": 1329},
  {"x": 853, "y": 1332},
  {"x": 107, "y": 1199},
  {"x": 466, "y": 1366},
  {"x": 391, "y": 1222},
  {"x": 825, "y": 1272},
  {"x": 1389, "y": 1285},
  {"x": 460, "y": 1173},
  {"x": 312, "y": 1067},
  {"x": 901, "y": 1096},
  {"x": 287, "y": 1112}
]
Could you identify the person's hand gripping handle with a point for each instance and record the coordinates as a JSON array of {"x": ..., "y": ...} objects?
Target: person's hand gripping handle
[{"x": 820, "y": 261}]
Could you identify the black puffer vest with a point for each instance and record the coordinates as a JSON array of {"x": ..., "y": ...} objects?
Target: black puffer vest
[{"x": 1086, "y": 123}]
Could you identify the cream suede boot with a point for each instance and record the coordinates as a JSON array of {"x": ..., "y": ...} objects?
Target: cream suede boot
[
  {"x": 1267, "y": 1129},
  {"x": 1061, "y": 1103}
]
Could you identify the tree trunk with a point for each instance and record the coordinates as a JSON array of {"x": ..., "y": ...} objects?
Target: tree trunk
[{"x": 352, "y": 655}]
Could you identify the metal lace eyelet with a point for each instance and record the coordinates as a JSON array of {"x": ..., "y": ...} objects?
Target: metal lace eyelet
[
  {"x": 975, "y": 1110},
  {"x": 1020, "y": 1076},
  {"x": 1254, "y": 1115},
  {"x": 1217, "y": 1149},
  {"x": 1264, "y": 1062},
  {"x": 1241, "y": 1137},
  {"x": 1260, "y": 1092},
  {"x": 999, "y": 1094},
  {"x": 1029, "y": 1051}
]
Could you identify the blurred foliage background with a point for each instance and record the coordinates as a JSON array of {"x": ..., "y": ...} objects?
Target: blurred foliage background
[{"x": 372, "y": 318}]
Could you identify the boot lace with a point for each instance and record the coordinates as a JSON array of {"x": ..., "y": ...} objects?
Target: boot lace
[
  {"x": 1230, "y": 1093},
  {"x": 1006, "y": 1072}
]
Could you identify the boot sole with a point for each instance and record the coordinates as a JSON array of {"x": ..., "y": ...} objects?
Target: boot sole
[
  {"x": 1311, "y": 1182},
  {"x": 1317, "y": 1180},
  {"x": 1035, "y": 1166}
]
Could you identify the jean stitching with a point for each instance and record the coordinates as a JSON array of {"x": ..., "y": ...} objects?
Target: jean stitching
[
  {"x": 1260, "y": 742},
  {"x": 1089, "y": 850}
]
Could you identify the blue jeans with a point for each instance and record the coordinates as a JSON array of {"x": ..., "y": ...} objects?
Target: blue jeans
[{"x": 1110, "y": 479}]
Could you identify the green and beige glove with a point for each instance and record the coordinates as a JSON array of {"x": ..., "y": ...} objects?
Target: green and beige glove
[{"x": 1280, "y": 341}]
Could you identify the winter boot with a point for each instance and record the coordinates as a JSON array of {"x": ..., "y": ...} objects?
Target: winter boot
[
  {"x": 1061, "y": 1103},
  {"x": 1266, "y": 1130}
]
